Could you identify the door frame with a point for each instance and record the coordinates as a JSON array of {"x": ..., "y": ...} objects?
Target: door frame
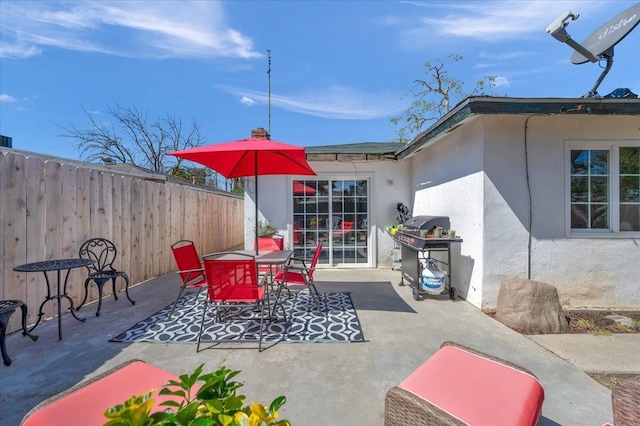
[{"x": 371, "y": 251}]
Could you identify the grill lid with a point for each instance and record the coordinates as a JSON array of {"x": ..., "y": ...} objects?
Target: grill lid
[{"x": 426, "y": 223}]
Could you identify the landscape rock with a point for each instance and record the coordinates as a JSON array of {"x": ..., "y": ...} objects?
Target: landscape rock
[
  {"x": 621, "y": 319},
  {"x": 530, "y": 307}
]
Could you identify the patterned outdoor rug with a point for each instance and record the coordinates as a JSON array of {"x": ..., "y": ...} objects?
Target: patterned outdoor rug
[{"x": 337, "y": 323}]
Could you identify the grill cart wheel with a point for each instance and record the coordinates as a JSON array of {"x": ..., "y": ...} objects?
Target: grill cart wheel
[
  {"x": 452, "y": 293},
  {"x": 416, "y": 293}
]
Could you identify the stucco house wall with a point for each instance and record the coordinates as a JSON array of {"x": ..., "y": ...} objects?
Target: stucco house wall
[
  {"x": 389, "y": 185},
  {"x": 497, "y": 167},
  {"x": 476, "y": 174},
  {"x": 447, "y": 176},
  {"x": 596, "y": 271}
]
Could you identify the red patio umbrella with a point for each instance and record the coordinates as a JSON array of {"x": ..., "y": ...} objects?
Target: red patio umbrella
[
  {"x": 300, "y": 188},
  {"x": 250, "y": 157}
]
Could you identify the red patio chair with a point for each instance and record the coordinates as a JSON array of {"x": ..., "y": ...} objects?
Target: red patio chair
[
  {"x": 297, "y": 272},
  {"x": 233, "y": 282},
  {"x": 189, "y": 267},
  {"x": 342, "y": 230},
  {"x": 298, "y": 235},
  {"x": 269, "y": 243}
]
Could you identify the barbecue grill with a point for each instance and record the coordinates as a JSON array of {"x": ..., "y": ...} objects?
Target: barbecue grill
[{"x": 417, "y": 240}]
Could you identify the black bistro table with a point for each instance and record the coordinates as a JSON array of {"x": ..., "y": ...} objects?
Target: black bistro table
[{"x": 57, "y": 265}]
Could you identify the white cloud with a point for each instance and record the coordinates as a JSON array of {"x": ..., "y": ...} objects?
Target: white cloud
[
  {"x": 532, "y": 71},
  {"x": 501, "y": 59},
  {"x": 484, "y": 65},
  {"x": 6, "y": 98},
  {"x": 414, "y": 3},
  {"x": 501, "y": 81},
  {"x": 18, "y": 50},
  {"x": 124, "y": 28},
  {"x": 336, "y": 102},
  {"x": 247, "y": 101},
  {"x": 488, "y": 21},
  {"x": 508, "y": 78},
  {"x": 506, "y": 55}
]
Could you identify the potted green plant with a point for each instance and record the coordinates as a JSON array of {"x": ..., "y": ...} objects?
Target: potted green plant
[
  {"x": 266, "y": 228},
  {"x": 214, "y": 403}
]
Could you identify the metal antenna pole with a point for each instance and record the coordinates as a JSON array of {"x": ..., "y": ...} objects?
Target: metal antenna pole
[{"x": 269, "y": 89}]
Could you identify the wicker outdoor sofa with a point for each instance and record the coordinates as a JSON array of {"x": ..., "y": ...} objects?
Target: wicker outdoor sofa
[
  {"x": 462, "y": 386},
  {"x": 85, "y": 403},
  {"x": 626, "y": 402}
]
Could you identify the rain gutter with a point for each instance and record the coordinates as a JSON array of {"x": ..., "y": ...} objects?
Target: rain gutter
[{"x": 490, "y": 105}]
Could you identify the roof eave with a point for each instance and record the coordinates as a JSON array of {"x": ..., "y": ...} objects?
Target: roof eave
[
  {"x": 347, "y": 157},
  {"x": 514, "y": 106}
]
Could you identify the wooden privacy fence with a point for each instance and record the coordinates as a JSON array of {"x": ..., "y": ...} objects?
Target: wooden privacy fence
[{"x": 49, "y": 207}]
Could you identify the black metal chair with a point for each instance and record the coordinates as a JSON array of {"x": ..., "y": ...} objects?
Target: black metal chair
[
  {"x": 104, "y": 253},
  {"x": 7, "y": 308}
]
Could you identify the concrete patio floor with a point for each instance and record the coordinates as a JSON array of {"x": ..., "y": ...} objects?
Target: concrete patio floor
[{"x": 325, "y": 383}]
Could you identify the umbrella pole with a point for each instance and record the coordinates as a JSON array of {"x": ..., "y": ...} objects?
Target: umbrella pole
[{"x": 256, "y": 185}]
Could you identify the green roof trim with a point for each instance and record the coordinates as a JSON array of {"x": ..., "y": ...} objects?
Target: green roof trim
[
  {"x": 373, "y": 148},
  {"x": 479, "y": 105},
  {"x": 514, "y": 106}
]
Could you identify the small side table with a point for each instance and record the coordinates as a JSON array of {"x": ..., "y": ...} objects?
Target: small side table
[
  {"x": 56, "y": 265},
  {"x": 7, "y": 308}
]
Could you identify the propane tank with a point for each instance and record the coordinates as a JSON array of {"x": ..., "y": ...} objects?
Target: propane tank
[{"x": 432, "y": 278}]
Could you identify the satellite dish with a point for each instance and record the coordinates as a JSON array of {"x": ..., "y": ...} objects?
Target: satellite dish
[
  {"x": 599, "y": 45},
  {"x": 609, "y": 34}
]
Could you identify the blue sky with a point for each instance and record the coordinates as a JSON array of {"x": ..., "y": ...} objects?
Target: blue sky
[{"x": 340, "y": 69}]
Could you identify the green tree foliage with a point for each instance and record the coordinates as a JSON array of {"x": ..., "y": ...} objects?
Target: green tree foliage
[
  {"x": 435, "y": 96},
  {"x": 235, "y": 186}
]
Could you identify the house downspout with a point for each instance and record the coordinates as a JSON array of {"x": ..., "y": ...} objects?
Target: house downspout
[{"x": 526, "y": 168}]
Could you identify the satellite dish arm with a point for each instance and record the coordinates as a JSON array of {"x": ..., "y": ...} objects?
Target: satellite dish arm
[
  {"x": 581, "y": 49},
  {"x": 557, "y": 30}
]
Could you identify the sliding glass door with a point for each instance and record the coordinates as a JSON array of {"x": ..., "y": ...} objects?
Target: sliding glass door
[{"x": 336, "y": 213}]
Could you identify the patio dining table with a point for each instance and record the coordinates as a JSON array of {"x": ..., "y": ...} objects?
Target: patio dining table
[{"x": 272, "y": 259}]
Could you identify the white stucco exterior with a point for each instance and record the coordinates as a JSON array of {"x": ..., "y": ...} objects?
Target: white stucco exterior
[
  {"x": 447, "y": 179},
  {"x": 476, "y": 175},
  {"x": 490, "y": 173},
  {"x": 389, "y": 185}
]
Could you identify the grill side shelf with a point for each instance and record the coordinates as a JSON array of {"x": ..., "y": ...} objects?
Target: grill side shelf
[{"x": 420, "y": 243}]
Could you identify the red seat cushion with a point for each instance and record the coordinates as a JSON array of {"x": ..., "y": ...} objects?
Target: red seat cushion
[
  {"x": 86, "y": 406},
  {"x": 241, "y": 294},
  {"x": 477, "y": 390},
  {"x": 291, "y": 277},
  {"x": 270, "y": 243}
]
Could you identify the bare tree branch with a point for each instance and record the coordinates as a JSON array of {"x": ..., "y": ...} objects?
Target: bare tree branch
[
  {"x": 130, "y": 137},
  {"x": 434, "y": 97}
]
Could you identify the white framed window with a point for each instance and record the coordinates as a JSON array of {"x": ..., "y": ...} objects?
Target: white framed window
[{"x": 603, "y": 188}]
